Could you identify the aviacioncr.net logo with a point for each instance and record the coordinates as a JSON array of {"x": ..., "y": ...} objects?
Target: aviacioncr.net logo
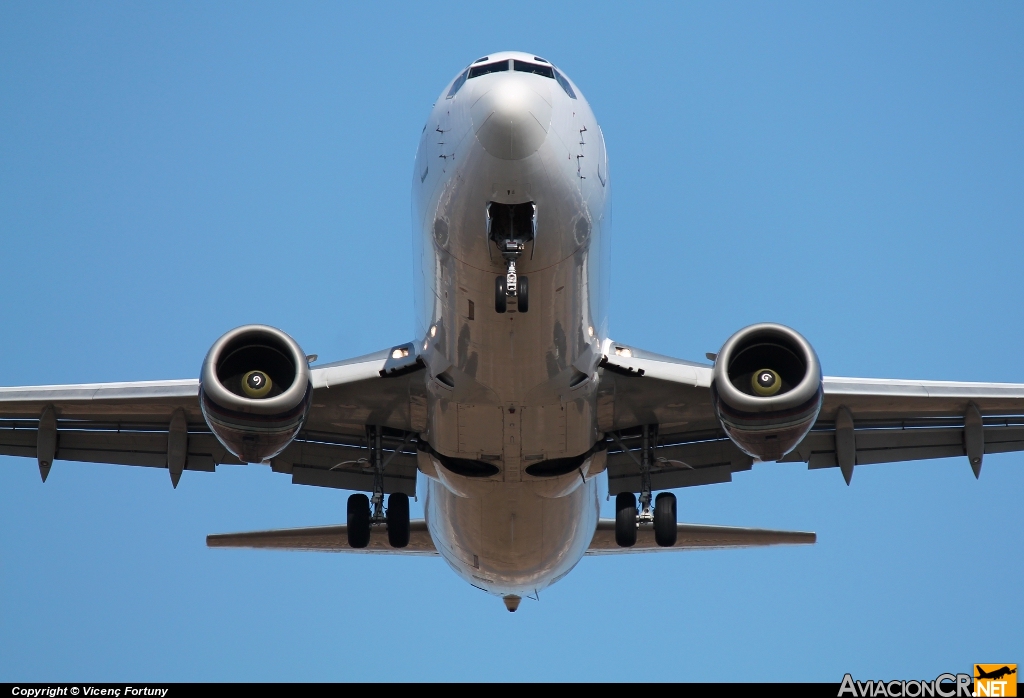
[{"x": 943, "y": 686}]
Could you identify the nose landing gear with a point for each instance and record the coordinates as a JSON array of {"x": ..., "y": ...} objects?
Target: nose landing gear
[
  {"x": 511, "y": 285},
  {"x": 510, "y": 227}
]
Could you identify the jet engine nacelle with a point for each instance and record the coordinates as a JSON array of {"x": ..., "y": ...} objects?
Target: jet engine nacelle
[
  {"x": 255, "y": 391},
  {"x": 767, "y": 389}
]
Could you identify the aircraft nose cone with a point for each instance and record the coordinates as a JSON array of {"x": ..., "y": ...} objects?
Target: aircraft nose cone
[{"x": 512, "y": 117}]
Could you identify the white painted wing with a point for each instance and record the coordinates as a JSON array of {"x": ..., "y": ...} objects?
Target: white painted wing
[
  {"x": 128, "y": 423},
  {"x": 893, "y": 420},
  {"x": 695, "y": 537},
  {"x": 901, "y": 420}
]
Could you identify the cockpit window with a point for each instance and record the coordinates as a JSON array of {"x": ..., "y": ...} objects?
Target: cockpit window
[
  {"x": 565, "y": 84},
  {"x": 524, "y": 67},
  {"x": 457, "y": 85},
  {"x": 478, "y": 70}
]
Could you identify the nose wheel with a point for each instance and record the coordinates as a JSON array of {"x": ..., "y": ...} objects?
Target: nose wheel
[
  {"x": 500, "y": 295},
  {"x": 511, "y": 285}
]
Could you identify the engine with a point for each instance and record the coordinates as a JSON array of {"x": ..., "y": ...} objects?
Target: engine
[
  {"x": 255, "y": 391},
  {"x": 767, "y": 389}
]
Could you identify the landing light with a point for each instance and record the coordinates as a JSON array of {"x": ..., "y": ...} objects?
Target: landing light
[
  {"x": 591, "y": 331},
  {"x": 623, "y": 351},
  {"x": 433, "y": 330},
  {"x": 399, "y": 353}
]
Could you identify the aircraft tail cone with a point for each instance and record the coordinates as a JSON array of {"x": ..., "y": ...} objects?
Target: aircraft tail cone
[{"x": 511, "y": 602}]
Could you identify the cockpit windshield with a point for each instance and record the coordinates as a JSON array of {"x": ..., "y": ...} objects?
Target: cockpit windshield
[
  {"x": 546, "y": 71},
  {"x": 565, "y": 84},
  {"x": 457, "y": 85},
  {"x": 524, "y": 67},
  {"x": 496, "y": 67}
]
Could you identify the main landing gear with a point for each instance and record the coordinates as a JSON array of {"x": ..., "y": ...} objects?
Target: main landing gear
[
  {"x": 662, "y": 514},
  {"x": 361, "y": 521},
  {"x": 395, "y": 518},
  {"x": 628, "y": 519}
]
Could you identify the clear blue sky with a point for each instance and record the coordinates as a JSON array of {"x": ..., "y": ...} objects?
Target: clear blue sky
[{"x": 169, "y": 171}]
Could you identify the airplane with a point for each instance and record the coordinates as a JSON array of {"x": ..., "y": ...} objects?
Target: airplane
[
  {"x": 512, "y": 403},
  {"x": 995, "y": 674}
]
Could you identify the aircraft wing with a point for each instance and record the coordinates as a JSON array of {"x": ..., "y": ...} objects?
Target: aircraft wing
[
  {"x": 889, "y": 421},
  {"x": 131, "y": 424}
]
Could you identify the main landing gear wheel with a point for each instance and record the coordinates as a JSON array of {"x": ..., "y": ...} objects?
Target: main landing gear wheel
[
  {"x": 523, "y": 295},
  {"x": 500, "y": 297},
  {"x": 398, "y": 520},
  {"x": 665, "y": 519},
  {"x": 359, "y": 520},
  {"x": 625, "y": 519}
]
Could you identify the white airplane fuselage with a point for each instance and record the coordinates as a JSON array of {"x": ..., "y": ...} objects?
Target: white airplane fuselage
[{"x": 512, "y": 501}]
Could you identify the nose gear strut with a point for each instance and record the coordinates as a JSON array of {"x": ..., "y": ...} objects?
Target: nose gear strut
[{"x": 511, "y": 278}]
